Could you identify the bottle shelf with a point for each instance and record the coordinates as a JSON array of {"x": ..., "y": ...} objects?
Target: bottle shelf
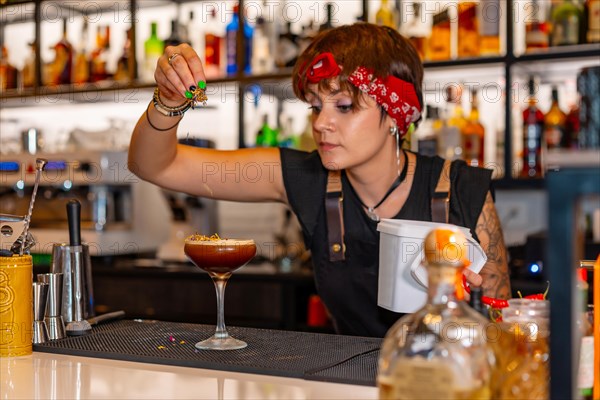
[
  {"x": 464, "y": 62},
  {"x": 558, "y": 53},
  {"x": 73, "y": 92}
]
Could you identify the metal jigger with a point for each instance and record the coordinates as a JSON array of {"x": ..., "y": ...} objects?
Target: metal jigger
[
  {"x": 54, "y": 320},
  {"x": 40, "y": 297}
]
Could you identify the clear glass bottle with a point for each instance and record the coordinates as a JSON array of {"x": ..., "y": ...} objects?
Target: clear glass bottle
[
  {"x": 522, "y": 351},
  {"x": 440, "y": 351}
]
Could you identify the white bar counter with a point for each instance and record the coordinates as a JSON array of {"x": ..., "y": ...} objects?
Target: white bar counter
[{"x": 55, "y": 376}]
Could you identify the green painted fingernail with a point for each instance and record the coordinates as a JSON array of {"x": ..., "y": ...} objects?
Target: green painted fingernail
[
  {"x": 202, "y": 85},
  {"x": 188, "y": 94}
]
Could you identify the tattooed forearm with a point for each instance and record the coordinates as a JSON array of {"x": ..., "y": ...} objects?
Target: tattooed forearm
[{"x": 496, "y": 279}]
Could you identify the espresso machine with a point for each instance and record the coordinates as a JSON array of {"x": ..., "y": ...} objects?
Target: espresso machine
[{"x": 120, "y": 213}]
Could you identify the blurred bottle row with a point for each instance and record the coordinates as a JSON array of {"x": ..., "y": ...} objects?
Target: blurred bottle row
[
  {"x": 477, "y": 25},
  {"x": 439, "y": 30},
  {"x": 449, "y": 132},
  {"x": 267, "y": 46}
]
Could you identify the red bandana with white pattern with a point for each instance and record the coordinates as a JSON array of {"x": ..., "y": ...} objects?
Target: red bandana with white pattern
[{"x": 397, "y": 97}]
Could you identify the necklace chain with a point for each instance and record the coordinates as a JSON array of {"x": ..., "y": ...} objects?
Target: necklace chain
[{"x": 401, "y": 177}]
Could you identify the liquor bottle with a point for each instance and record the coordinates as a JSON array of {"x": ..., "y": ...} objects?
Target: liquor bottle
[
  {"x": 417, "y": 30},
  {"x": 174, "y": 39},
  {"x": 593, "y": 21},
  {"x": 585, "y": 376},
  {"x": 153, "y": 50},
  {"x": 187, "y": 31},
  {"x": 450, "y": 138},
  {"x": 63, "y": 61},
  {"x": 489, "y": 13},
  {"x": 306, "y": 36},
  {"x": 287, "y": 48},
  {"x": 262, "y": 59},
  {"x": 124, "y": 66},
  {"x": 572, "y": 126},
  {"x": 438, "y": 45},
  {"x": 231, "y": 43},
  {"x": 533, "y": 130},
  {"x": 566, "y": 17},
  {"x": 385, "y": 16},
  {"x": 212, "y": 45},
  {"x": 473, "y": 135},
  {"x": 328, "y": 24},
  {"x": 266, "y": 136},
  {"x": 28, "y": 74},
  {"x": 440, "y": 351},
  {"x": 554, "y": 124},
  {"x": 537, "y": 29},
  {"x": 468, "y": 30},
  {"x": 81, "y": 68},
  {"x": 99, "y": 56},
  {"x": 8, "y": 73},
  {"x": 428, "y": 131}
]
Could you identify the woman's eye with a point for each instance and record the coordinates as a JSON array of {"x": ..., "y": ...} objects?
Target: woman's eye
[
  {"x": 345, "y": 108},
  {"x": 315, "y": 109}
]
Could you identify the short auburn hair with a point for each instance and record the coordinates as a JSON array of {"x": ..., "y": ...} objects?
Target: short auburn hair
[{"x": 379, "y": 48}]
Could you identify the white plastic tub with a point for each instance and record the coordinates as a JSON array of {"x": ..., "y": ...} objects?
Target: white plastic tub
[{"x": 402, "y": 277}]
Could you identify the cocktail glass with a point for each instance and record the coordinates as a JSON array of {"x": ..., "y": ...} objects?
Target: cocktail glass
[{"x": 220, "y": 258}]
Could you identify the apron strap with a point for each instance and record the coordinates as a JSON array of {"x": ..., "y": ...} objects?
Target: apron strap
[
  {"x": 334, "y": 207},
  {"x": 440, "y": 202}
]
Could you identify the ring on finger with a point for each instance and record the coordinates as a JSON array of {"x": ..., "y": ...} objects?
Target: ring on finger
[{"x": 172, "y": 57}]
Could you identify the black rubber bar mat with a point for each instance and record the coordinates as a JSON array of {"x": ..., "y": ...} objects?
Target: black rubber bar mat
[{"x": 311, "y": 356}]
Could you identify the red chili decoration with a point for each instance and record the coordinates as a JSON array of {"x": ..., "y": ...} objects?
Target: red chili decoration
[{"x": 501, "y": 303}]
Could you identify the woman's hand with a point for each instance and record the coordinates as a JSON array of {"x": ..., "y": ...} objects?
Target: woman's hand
[
  {"x": 474, "y": 280},
  {"x": 178, "y": 69}
]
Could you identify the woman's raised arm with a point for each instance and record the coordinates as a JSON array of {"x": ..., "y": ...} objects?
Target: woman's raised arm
[{"x": 155, "y": 156}]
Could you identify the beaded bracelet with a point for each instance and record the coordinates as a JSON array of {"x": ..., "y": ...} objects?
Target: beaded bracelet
[{"x": 168, "y": 110}]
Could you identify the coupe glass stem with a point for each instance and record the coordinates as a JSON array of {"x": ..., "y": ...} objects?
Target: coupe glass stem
[{"x": 220, "y": 282}]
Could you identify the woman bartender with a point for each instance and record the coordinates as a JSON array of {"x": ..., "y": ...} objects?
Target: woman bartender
[{"x": 363, "y": 85}]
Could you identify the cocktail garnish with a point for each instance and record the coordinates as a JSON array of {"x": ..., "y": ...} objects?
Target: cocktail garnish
[{"x": 203, "y": 238}]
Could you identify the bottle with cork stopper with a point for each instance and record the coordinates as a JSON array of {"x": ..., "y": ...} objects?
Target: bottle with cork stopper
[{"x": 440, "y": 351}]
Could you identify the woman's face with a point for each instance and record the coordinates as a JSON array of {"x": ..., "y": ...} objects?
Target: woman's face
[{"x": 346, "y": 134}]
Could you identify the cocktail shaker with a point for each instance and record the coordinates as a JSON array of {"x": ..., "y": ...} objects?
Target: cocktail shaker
[{"x": 74, "y": 262}]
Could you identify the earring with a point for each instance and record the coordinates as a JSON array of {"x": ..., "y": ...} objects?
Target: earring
[{"x": 395, "y": 132}]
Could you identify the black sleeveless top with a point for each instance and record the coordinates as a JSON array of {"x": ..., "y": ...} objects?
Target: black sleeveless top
[{"x": 349, "y": 288}]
